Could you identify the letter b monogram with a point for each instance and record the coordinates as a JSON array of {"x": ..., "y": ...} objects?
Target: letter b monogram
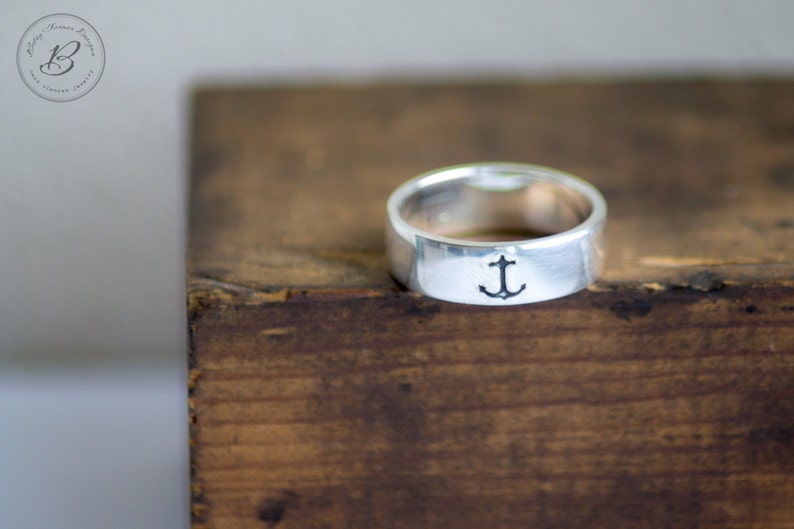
[{"x": 57, "y": 65}]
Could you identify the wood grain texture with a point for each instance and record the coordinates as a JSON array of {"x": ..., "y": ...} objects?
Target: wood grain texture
[
  {"x": 323, "y": 396},
  {"x": 290, "y": 185}
]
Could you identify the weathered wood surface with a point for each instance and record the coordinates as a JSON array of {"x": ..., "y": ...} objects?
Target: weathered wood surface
[
  {"x": 290, "y": 185},
  {"x": 324, "y": 396}
]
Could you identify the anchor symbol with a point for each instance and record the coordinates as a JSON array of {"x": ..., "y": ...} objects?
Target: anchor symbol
[{"x": 503, "y": 293}]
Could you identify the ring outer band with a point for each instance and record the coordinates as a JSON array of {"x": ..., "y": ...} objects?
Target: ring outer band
[{"x": 464, "y": 271}]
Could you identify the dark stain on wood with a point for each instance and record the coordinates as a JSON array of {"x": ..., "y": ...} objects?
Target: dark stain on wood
[
  {"x": 783, "y": 176},
  {"x": 626, "y": 310},
  {"x": 423, "y": 308},
  {"x": 272, "y": 510},
  {"x": 770, "y": 419}
]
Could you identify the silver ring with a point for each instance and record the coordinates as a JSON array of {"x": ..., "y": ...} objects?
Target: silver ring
[{"x": 496, "y": 234}]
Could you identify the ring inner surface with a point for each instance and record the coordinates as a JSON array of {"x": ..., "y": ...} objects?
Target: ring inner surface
[{"x": 496, "y": 208}]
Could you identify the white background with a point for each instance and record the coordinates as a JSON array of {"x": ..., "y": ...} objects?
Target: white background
[{"x": 92, "y": 194}]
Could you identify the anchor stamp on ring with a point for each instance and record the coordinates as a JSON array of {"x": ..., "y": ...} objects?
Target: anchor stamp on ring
[{"x": 503, "y": 292}]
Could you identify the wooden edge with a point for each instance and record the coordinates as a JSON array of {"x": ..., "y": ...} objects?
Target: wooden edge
[{"x": 206, "y": 293}]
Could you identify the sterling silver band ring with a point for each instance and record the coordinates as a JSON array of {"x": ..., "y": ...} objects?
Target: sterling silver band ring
[{"x": 496, "y": 234}]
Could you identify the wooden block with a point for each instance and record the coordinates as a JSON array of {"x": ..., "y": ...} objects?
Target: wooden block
[{"x": 323, "y": 395}]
